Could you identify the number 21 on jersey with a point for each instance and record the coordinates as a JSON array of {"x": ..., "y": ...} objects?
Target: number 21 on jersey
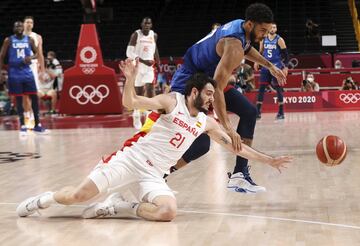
[{"x": 177, "y": 141}]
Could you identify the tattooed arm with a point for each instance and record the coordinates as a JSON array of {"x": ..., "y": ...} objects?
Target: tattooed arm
[{"x": 218, "y": 135}]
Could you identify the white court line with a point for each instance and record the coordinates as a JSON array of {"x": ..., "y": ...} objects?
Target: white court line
[
  {"x": 54, "y": 205},
  {"x": 270, "y": 218},
  {"x": 233, "y": 215}
]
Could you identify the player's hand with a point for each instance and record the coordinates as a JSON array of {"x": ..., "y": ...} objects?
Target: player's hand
[
  {"x": 278, "y": 73},
  {"x": 129, "y": 68},
  {"x": 285, "y": 71},
  {"x": 27, "y": 60},
  {"x": 280, "y": 162},
  {"x": 235, "y": 139},
  {"x": 256, "y": 66}
]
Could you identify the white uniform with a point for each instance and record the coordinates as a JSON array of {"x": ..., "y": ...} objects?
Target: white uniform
[
  {"x": 146, "y": 161},
  {"x": 56, "y": 69},
  {"x": 34, "y": 62},
  {"x": 145, "y": 49}
]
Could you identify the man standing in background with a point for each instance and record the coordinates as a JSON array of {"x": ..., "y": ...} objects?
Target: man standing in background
[
  {"x": 37, "y": 65},
  {"x": 142, "y": 46}
]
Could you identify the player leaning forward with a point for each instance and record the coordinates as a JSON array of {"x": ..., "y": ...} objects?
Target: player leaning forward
[{"x": 147, "y": 160}]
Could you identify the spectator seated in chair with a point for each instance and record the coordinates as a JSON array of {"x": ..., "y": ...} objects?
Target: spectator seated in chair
[{"x": 46, "y": 91}]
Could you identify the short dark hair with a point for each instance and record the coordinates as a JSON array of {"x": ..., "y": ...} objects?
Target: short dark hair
[
  {"x": 198, "y": 80},
  {"x": 260, "y": 13},
  {"x": 28, "y": 17}
]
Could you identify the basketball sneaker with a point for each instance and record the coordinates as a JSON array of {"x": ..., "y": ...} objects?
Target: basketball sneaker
[
  {"x": 23, "y": 130},
  {"x": 103, "y": 209},
  {"x": 258, "y": 116},
  {"x": 40, "y": 130},
  {"x": 242, "y": 182},
  {"x": 280, "y": 116},
  {"x": 31, "y": 205},
  {"x": 137, "y": 119}
]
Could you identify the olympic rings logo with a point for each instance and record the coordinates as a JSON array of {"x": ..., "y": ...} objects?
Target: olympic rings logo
[
  {"x": 349, "y": 98},
  {"x": 89, "y": 94},
  {"x": 88, "y": 70},
  {"x": 92, "y": 51}
]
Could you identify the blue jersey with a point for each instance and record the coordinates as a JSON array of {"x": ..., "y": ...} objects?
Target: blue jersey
[
  {"x": 202, "y": 56},
  {"x": 272, "y": 51},
  {"x": 19, "y": 48}
]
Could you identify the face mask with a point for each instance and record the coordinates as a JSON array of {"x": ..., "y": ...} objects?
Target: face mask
[
  {"x": 337, "y": 66},
  {"x": 310, "y": 79}
]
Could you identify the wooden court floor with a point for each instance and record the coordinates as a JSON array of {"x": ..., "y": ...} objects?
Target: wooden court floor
[{"x": 308, "y": 204}]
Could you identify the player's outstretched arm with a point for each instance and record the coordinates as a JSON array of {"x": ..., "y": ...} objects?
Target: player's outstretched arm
[
  {"x": 254, "y": 56},
  {"x": 133, "y": 101},
  {"x": 218, "y": 135}
]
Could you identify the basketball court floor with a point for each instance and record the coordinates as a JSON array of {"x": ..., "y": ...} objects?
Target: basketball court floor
[{"x": 307, "y": 204}]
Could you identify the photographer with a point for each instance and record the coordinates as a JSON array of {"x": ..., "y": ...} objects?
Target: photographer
[
  {"x": 309, "y": 84},
  {"x": 245, "y": 78},
  {"x": 348, "y": 84},
  {"x": 54, "y": 67}
]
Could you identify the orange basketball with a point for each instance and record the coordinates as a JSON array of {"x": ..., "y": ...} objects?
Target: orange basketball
[{"x": 331, "y": 150}]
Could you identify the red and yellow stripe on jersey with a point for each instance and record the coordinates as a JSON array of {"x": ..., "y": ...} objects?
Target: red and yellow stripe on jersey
[{"x": 150, "y": 120}]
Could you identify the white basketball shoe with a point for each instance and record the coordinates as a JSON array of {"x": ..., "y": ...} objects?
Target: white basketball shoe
[
  {"x": 109, "y": 208},
  {"x": 238, "y": 182},
  {"x": 30, "y": 205}
]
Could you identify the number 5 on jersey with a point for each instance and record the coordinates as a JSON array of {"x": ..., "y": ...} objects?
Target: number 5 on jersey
[{"x": 177, "y": 140}]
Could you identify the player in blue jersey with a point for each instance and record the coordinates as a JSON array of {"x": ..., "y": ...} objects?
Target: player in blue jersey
[
  {"x": 21, "y": 50},
  {"x": 218, "y": 55},
  {"x": 274, "y": 49}
]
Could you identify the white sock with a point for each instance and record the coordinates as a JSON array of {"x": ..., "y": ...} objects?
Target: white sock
[
  {"x": 47, "y": 200},
  {"x": 127, "y": 209},
  {"x": 27, "y": 114}
]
